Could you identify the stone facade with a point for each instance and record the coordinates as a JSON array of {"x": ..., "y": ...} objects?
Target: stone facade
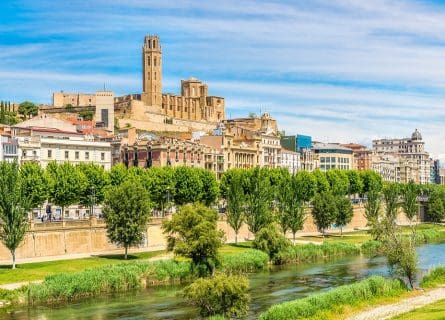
[
  {"x": 153, "y": 110},
  {"x": 290, "y": 160},
  {"x": 332, "y": 156},
  {"x": 414, "y": 162},
  {"x": 362, "y": 156}
]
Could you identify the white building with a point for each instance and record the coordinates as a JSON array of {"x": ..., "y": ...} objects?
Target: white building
[
  {"x": 8, "y": 148},
  {"x": 290, "y": 160},
  {"x": 44, "y": 139}
]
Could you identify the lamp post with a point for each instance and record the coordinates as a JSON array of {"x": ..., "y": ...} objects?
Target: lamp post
[{"x": 92, "y": 200}]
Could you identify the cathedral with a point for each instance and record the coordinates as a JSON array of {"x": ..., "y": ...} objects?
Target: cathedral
[{"x": 191, "y": 107}]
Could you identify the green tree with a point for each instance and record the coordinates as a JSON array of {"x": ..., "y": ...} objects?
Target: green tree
[
  {"x": 192, "y": 232},
  {"x": 355, "y": 182},
  {"x": 65, "y": 182},
  {"x": 305, "y": 185},
  {"x": 118, "y": 174},
  {"x": 372, "y": 189},
  {"x": 235, "y": 204},
  {"x": 401, "y": 256},
  {"x": 391, "y": 196},
  {"x": 87, "y": 115},
  {"x": 271, "y": 241},
  {"x": 2, "y": 113},
  {"x": 34, "y": 183},
  {"x": 291, "y": 213},
  {"x": 372, "y": 181},
  {"x": 324, "y": 210},
  {"x": 127, "y": 210},
  {"x": 258, "y": 200},
  {"x": 345, "y": 212},
  {"x": 96, "y": 182},
  {"x": 14, "y": 206},
  {"x": 28, "y": 109},
  {"x": 188, "y": 185},
  {"x": 410, "y": 192},
  {"x": 210, "y": 188},
  {"x": 220, "y": 295},
  {"x": 435, "y": 205},
  {"x": 338, "y": 181},
  {"x": 160, "y": 183},
  {"x": 322, "y": 181}
]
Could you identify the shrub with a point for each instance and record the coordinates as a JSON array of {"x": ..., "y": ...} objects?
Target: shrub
[
  {"x": 271, "y": 241},
  {"x": 246, "y": 261},
  {"x": 106, "y": 279},
  {"x": 363, "y": 291},
  {"x": 219, "y": 295},
  {"x": 313, "y": 252},
  {"x": 433, "y": 278},
  {"x": 372, "y": 247}
]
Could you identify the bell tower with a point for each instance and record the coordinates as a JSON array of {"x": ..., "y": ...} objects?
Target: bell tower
[{"x": 152, "y": 71}]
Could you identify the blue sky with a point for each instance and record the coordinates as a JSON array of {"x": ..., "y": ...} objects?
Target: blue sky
[{"x": 339, "y": 70}]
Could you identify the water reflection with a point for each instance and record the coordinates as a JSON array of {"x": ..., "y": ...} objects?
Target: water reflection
[{"x": 281, "y": 283}]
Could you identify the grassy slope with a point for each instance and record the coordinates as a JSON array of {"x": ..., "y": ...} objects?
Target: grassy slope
[{"x": 434, "y": 311}]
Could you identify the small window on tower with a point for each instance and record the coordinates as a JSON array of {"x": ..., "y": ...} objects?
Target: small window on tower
[
  {"x": 154, "y": 61},
  {"x": 155, "y": 75},
  {"x": 148, "y": 75},
  {"x": 148, "y": 61}
]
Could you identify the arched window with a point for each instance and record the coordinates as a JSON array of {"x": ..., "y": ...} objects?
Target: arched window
[
  {"x": 148, "y": 60},
  {"x": 154, "y": 61}
]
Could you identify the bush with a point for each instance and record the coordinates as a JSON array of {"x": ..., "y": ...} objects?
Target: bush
[
  {"x": 363, "y": 291},
  {"x": 428, "y": 235},
  {"x": 219, "y": 295},
  {"x": 313, "y": 252},
  {"x": 372, "y": 247},
  {"x": 246, "y": 261},
  {"x": 434, "y": 278},
  {"x": 271, "y": 241},
  {"x": 106, "y": 279}
]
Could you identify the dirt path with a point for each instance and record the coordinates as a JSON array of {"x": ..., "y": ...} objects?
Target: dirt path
[{"x": 404, "y": 306}]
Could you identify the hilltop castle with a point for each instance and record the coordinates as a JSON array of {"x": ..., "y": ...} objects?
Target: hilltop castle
[{"x": 152, "y": 110}]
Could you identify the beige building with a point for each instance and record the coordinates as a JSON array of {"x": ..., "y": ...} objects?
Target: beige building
[
  {"x": 414, "y": 162},
  {"x": 153, "y": 110},
  {"x": 332, "y": 156}
]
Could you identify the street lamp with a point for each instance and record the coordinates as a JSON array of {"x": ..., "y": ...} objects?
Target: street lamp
[{"x": 92, "y": 200}]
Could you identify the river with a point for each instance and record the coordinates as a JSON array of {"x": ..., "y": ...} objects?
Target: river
[{"x": 282, "y": 283}]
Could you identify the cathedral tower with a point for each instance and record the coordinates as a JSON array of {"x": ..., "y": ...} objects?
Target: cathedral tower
[{"x": 152, "y": 71}]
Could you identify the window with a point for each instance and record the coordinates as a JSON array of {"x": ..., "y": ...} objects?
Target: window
[
  {"x": 67, "y": 154},
  {"x": 76, "y": 155},
  {"x": 155, "y": 75},
  {"x": 148, "y": 60},
  {"x": 102, "y": 156},
  {"x": 87, "y": 156},
  {"x": 148, "y": 75},
  {"x": 50, "y": 153},
  {"x": 154, "y": 63}
]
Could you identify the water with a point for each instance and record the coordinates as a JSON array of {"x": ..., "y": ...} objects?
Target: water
[{"x": 280, "y": 284}]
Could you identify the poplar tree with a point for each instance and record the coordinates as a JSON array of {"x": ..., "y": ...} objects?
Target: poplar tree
[{"x": 14, "y": 206}]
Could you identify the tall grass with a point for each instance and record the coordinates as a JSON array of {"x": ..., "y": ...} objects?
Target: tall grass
[
  {"x": 106, "y": 279},
  {"x": 313, "y": 252},
  {"x": 434, "y": 278},
  {"x": 247, "y": 261},
  {"x": 371, "y": 288}
]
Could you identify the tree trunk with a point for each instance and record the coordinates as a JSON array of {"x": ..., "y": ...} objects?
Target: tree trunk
[
  {"x": 236, "y": 237},
  {"x": 13, "y": 258},
  {"x": 126, "y": 252},
  {"x": 293, "y": 236},
  {"x": 341, "y": 232}
]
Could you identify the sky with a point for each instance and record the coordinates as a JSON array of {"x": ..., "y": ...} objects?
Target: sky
[{"x": 338, "y": 70}]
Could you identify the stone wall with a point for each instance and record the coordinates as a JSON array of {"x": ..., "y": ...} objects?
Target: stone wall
[{"x": 90, "y": 236}]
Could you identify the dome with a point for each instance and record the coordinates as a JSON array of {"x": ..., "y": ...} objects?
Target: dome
[{"x": 416, "y": 135}]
